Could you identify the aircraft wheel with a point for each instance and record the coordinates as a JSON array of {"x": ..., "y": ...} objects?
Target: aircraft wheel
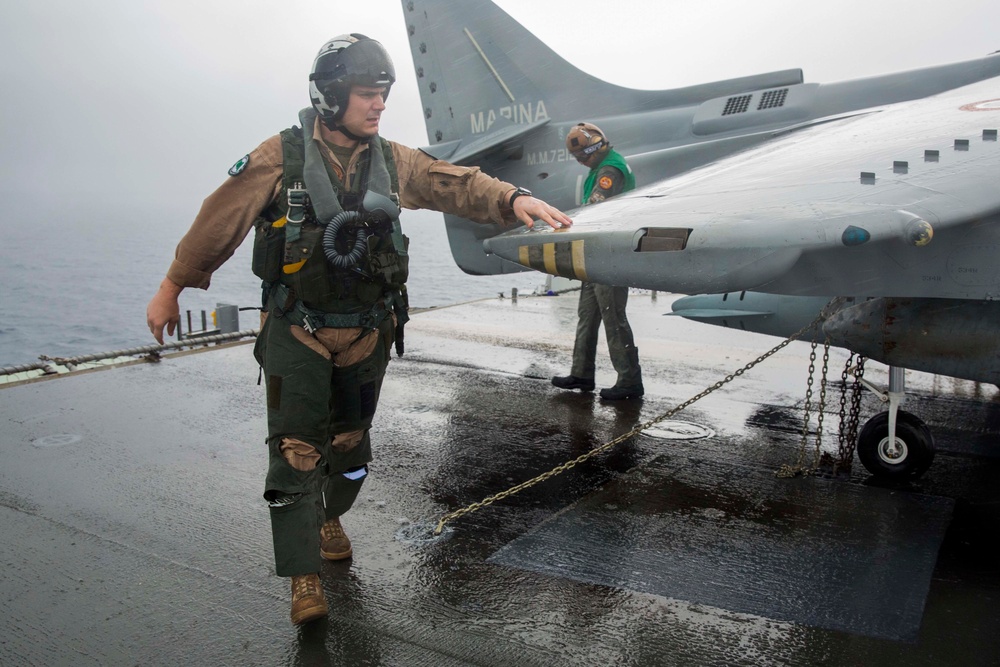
[{"x": 908, "y": 459}]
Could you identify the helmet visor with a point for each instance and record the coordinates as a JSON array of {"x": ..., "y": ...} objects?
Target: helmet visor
[{"x": 365, "y": 62}]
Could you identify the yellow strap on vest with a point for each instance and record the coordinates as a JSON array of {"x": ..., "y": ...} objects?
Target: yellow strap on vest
[{"x": 292, "y": 268}]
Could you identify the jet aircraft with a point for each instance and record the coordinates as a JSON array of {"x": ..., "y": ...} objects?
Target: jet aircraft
[{"x": 769, "y": 197}]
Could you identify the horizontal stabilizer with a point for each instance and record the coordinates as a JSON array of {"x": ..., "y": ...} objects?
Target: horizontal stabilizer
[{"x": 472, "y": 148}]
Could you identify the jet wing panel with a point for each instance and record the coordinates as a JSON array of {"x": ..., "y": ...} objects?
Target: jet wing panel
[{"x": 901, "y": 201}]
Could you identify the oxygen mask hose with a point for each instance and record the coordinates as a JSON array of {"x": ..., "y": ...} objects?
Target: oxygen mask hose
[{"x": 351, "y": 258}]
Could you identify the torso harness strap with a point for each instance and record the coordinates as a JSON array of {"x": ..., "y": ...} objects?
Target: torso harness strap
[
  {"x": 310, "y": 319},
  {"x": 358, "y": 287}
]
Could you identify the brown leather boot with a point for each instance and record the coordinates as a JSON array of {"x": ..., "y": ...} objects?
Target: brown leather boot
[
  {"x": 334, "y": 543},
  {"x": 308, "y": 601}
]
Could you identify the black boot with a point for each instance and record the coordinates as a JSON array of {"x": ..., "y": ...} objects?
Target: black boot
[
  {"x": 573, "y": 382},
  {"x": 617, "y": 393}
]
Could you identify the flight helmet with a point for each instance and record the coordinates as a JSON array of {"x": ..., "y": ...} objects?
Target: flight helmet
[
  {"x": 342, "y": 62},
  {"x": 586, "y": 139}
]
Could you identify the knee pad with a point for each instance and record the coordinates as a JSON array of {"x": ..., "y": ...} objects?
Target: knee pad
[
  {"x": 283, "y": 479},
  {"x": 300, "y": 455}
]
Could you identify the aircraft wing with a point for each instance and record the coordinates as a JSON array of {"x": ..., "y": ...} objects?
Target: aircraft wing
[{"x": 901, "y": 201}]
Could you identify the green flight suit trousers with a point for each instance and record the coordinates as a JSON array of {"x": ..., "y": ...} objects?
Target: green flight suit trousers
[{"x": 310, "y": 399}]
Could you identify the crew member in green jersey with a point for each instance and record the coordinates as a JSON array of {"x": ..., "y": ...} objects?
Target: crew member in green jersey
[{"x": 609, "y": 175}]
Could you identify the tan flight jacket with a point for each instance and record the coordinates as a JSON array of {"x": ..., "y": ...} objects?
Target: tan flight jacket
[{"x": 227, "y": 215}]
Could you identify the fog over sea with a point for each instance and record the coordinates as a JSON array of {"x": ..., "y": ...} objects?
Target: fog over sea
[{"x": 80, "y": 286}]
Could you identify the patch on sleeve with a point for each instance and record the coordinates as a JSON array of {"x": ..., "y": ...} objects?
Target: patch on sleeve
[
  {"x": 605, "y": 182},
  {"x": 240, "y": 165}
]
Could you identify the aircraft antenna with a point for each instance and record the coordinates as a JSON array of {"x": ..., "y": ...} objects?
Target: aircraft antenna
[{"x": 486, "y": 60}]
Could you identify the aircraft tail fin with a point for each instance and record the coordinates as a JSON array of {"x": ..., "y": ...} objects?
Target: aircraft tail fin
[
  {"x": 479, "y": 70},
  {"x": 473, "y": 65}
]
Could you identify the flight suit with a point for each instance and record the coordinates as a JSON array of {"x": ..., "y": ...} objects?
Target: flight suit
[
  {"x": 322, "y": 385},
  {"x": 606, "y": 303}
]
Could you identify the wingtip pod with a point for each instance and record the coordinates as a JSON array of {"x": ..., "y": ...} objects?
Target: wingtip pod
[{"x": 537, "y": 250}]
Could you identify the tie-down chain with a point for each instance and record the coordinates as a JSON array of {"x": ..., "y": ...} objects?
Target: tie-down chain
[{"x": 641, "y": 427}]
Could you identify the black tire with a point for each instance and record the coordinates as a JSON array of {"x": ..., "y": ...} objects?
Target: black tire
[{"x": 914, "y": 442}]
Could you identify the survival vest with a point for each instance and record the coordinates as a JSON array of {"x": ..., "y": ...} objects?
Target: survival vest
[
  {"x": 288, "y": 250},
  {"x": 612, "y": 159}
]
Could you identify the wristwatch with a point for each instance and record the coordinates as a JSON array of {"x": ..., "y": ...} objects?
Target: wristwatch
[{"x": 517, "y": 193}]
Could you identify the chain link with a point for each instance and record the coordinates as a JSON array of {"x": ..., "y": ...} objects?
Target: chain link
[
  {"x": 791, "y": 471},
  {"x": 856, "y": 393},
  {"x": 608, "y": 445},
  {"x": 799, "y": 468},
  {"x": 841, "y": 435},
  {"x": 848, "y": 434},
  {"x": 822, "y": 404}
]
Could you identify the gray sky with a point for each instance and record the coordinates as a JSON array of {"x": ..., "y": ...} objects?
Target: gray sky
[{"x": 150, "y": 101}]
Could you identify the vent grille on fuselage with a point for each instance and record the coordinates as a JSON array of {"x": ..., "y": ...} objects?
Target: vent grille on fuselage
[
  {"x": 737, "y": 104},
  {"x": 773, "y": 99}
]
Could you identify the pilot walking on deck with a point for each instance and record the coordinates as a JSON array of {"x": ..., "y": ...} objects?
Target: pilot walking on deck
[
  {"x": 609, "y": 175},
  {"x": 323, "y": 201}
]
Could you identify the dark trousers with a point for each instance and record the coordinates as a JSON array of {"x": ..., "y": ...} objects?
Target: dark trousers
[
  {"x": 310, "y": 399},
  {"x": 603, "y": 303}
]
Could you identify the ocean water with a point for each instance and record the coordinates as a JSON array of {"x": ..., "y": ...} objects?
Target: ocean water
[{"x": 80, "y": 286}]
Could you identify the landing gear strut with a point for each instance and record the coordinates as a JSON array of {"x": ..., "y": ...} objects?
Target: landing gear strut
[{"x": 895, "y": 445}]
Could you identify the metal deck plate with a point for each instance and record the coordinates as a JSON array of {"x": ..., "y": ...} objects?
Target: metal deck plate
[{"x": 820, "y": 553}]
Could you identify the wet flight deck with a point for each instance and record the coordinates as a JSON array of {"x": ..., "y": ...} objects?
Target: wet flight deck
[{"x": 134, "y": 532}]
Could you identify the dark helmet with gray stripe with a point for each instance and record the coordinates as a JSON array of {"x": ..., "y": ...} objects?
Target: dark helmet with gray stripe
[{"x": 345, "y": 61}]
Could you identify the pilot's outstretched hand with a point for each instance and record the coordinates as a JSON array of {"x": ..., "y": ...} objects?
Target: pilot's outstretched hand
[
  {"x": 163, "y": 310},
  {"x": 528, "y": 208}
]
